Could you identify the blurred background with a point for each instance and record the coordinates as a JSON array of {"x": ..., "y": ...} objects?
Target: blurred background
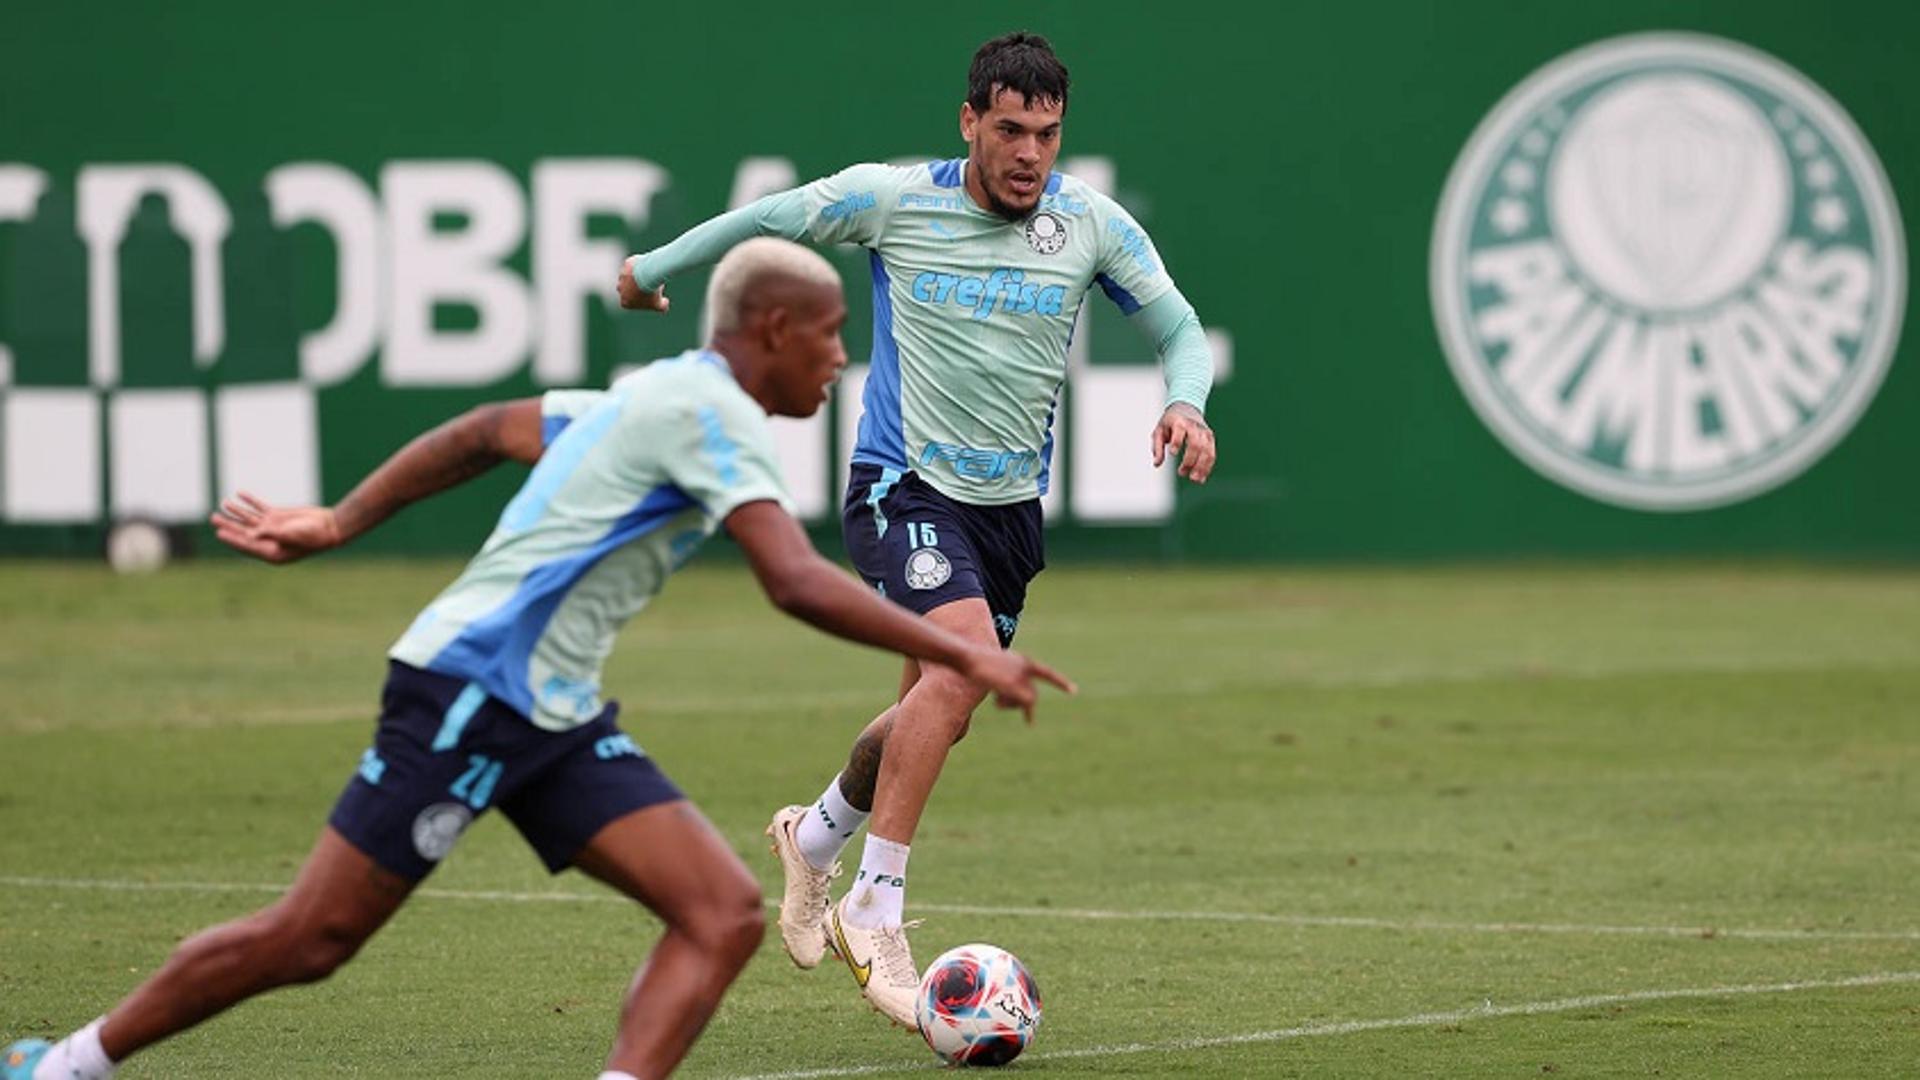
[{"x": 1656, "y": 312}]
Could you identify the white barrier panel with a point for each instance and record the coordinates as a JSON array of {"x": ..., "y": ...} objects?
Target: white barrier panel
[
  {"x": 52, "y": 456},
  {"x": 267, "y": 436},
  {"x": 158, "y": 464}
]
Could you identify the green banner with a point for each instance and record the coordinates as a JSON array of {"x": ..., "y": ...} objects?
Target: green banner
[{"x": 1481, "y": 279}]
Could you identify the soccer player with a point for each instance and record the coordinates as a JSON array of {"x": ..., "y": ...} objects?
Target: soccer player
[
  {"x": 980, "y": 266},
  {"x": 493, "y": 694}
]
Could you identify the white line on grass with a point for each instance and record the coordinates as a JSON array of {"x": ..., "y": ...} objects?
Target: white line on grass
[
  {"x": 360, "y": 711},
  {"x": 1361, "y": 922},
  {"x": 1353, "y": 922},
  {"x": 1430, "y": 1019}
]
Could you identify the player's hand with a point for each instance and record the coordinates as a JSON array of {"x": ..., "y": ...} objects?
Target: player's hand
[
  {"x": 635, "y": 298},
  {"x": 275, "y": 534},
  {"x": 1011, "y": 677},
  {"x": 1183, "y": 432}
]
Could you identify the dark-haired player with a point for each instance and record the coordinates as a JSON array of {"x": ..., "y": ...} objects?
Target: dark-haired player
[{"x": 980, "y": 267}]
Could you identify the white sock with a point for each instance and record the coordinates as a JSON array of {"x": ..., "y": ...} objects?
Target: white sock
[
  {"x": 79, "y": 1056},
  {"x": 612, "y": 1075},
  {"x": 879, "y": 895},
  {"x": 823, "y": 834}
]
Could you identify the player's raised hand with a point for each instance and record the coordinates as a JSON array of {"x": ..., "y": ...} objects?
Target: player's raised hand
[
  {"x": 275, "y": 534},
  {"x": 635, "y": 298},
  {"x": 1183, "y": 432},
  {"x": 1011, "y": 678}
]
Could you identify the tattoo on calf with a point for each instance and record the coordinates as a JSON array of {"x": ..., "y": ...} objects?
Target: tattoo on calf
[{"x": 857, "y": 780}]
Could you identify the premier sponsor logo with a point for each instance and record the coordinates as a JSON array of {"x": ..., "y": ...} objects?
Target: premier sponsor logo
[{"x": 1005, "y": 291}]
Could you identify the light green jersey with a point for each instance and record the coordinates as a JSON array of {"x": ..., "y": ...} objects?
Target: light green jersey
[
  {"x": 632, "y": 480},
  {"x": 972, "y": 312},
  {"x": 973, "y": 315}
]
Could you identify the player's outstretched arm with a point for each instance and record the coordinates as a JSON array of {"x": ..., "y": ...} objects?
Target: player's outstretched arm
[
  {"x": 642, "y": 284},
  {"x": 454, "y": 452},
  {"x": 813, "y": 590}
]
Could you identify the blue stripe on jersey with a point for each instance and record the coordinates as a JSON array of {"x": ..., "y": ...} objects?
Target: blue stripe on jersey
[
  {"x": 1118, "y": 294},
  {"x": 1053, "y": 183},
  {"x": 882, "y": 440},
  {"x": 496, "y": 649},
  {"x": 718, "y": 447},
  {"x": 945, "y": 173},
  {"x": 551, "y": 427},
  {"x": 559, "y": 461},
  {"x": 1046, "y": 448}
]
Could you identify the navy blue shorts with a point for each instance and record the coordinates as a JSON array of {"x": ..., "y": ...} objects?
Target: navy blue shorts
[
  {"x": 922, "y": 549},
  {"x": 445, "y": 753}
]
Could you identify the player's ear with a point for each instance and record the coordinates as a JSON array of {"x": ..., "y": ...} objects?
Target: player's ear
[
  {"x": 776, "y": 327},
  {"x": 969, "y": 120}
]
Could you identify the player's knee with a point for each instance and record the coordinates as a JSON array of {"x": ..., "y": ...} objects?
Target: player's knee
[
  {"x": 310, "y": 950},
  {"x": 953, "y": 696},
  {"x": 745, "y": 930},
  {"x": 732, "y": 927}
]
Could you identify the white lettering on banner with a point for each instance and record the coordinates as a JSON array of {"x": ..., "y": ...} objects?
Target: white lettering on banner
[
  {"x": 567, "y": 266},
  {"x": 434, "y": 234},
  {"x": 341, "y": 203},
  {"x": 20, "y": 190},
  {"x": 1597, "y": 376},
  {"x": 432, "y": 267},
  {"x": 109, "y": 195}
]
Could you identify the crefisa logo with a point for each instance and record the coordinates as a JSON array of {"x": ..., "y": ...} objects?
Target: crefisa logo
[{"x": 1668, "y": 272}]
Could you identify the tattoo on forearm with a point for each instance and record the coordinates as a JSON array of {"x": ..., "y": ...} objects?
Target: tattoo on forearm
[
  {"x": 862, "y": 773},
  {"x": 452, "y": 453}
]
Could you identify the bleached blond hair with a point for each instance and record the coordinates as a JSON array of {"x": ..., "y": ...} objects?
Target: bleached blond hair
[{"x": 752, "y": 265}]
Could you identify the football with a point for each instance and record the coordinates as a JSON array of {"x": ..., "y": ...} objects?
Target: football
[{"x": 978, "y": 1006}]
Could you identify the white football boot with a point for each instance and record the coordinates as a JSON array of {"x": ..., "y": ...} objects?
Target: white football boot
[
  {"x": 803, "y": 904},
  {"x": 881, "y": 963}
]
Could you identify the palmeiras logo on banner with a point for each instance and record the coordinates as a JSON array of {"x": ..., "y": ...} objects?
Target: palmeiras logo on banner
[{"x": 1668, "y": 271}]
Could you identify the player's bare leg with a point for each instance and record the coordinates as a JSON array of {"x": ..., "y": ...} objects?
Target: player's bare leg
[
  {"x": 932, "y": 715},
  {"x": 808, "y": 840},
  {"x": 671, "y": 859},
  {"x": 337, "y": 902}
]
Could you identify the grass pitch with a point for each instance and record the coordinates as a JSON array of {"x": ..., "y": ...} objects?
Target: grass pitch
[{"x": 1591, "y": 821}]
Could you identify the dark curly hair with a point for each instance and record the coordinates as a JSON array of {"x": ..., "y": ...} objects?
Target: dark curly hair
[{"x": 1019, "y": 62}]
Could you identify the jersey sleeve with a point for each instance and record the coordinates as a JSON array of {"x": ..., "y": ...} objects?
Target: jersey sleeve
[
  {"x": 1181, "y": 344},
  {"x": 782, "y": 214},
  {"x": 852, "y": 205},
  {"x": 722, "y": 456},
  {"x": 558, "y": 408},
  {"x": 1127, "y": 269}
]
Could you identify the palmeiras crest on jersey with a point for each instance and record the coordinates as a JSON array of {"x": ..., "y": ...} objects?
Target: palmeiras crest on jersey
[
  {"x": 1668, "y": 272},
  {"x": 437, "y": 827},
  {"x": 928, "y": 569},
  {"x": 1047, "y": 232}
]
